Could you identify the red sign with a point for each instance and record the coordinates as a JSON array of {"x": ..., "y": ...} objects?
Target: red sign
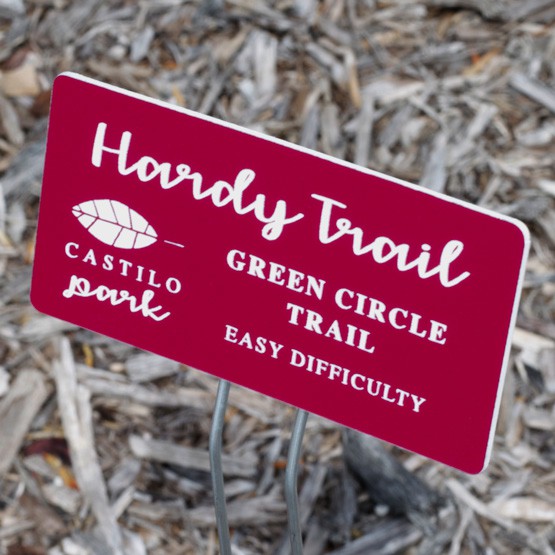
[{"x": 350, "y": 294}]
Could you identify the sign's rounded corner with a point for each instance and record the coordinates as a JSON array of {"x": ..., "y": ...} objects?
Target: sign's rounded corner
[
  {"x": 64, "y": 75},
  {"x": 67, "y": 76},
  {"x": 35, "y": 301},
  {"x": 478, "y": 466},
  {"x": 525, "y": 232}
]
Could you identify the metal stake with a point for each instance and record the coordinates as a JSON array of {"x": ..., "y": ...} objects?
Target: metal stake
[
  {"x": 215, "y": 449},
  {"x": 291, "y": 473}
]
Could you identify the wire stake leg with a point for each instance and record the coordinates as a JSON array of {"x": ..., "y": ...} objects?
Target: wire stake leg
[
  {"x": 291, "y": 473},
  {"x": 215, "y": 449}
]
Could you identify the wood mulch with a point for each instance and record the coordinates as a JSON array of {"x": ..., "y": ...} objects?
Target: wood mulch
[{"x": 456, "y": 95}]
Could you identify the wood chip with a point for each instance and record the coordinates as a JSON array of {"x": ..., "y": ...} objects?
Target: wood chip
[
  {"x": 76, "y": 414},
  {"x": 17, "y": 411},
  {"x": 364, "y": 132},
  {"x": 146, "y": 367},
  {"x": 187, "y": 457},
  {"x": 22, "y": 81},
  {"x": 388, "y": 538},
  {"x": 12, "y": 8},
  {"x": 10, "y": 122},
  {"x": 259, "y": 511},
  {"x": 529, "y": 509},
  {"x": 534, "y": 89},
  {"x": 69, "y": 500}
]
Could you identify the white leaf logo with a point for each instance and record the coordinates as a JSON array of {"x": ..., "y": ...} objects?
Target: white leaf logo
[{"x": 115, "y": 224}]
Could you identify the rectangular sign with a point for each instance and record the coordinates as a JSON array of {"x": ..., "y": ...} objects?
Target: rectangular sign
[{"x": 347, "y": 293}]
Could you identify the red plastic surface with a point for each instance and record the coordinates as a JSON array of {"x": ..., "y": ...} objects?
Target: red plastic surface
[{"x": 347, "y": 293}]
